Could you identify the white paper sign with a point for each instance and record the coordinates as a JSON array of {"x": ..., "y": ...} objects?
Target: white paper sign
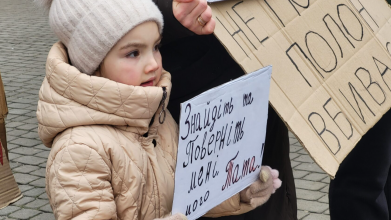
[{"x": 221, "y": 139}]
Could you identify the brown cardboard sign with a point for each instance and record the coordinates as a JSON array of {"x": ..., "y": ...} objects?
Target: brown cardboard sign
[
  {"x": 3, "y": 113},
  {"x": 9, "y": 190},
  {"x": 3, "y": 136},
  {"x": 331, "y": 61},
  {"x": 3, "y": 101},
  {"x": 1, "y": 155}
]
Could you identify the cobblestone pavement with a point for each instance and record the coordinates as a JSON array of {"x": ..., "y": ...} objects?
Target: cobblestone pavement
[
  {"x": 25, "y": 39},
  {"x": 312, "y": 184}
]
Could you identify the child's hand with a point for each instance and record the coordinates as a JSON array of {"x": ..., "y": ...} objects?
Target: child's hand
[
  {"x": 195, "y": 15},
  {"x": 174, "y": 217},
  {"x": 259, "y": 192}
]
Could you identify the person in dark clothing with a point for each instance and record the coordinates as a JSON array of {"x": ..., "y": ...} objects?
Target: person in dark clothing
[
  {"x": 198, "y": 63},
  {"x": 361, "y": 188}
]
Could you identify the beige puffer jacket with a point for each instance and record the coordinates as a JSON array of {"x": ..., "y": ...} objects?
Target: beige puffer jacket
[{"x": 101, "y": 165}]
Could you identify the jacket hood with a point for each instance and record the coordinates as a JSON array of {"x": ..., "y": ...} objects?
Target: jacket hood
[{"x": 69, "y": 98}]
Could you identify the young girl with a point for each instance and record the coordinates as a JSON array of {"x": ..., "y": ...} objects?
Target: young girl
[{"x": 102, "y": 113}]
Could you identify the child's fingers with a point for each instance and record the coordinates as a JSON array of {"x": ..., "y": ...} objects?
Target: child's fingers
[
  {"x": 277, "y": 183},
  {"x": 258, "y": 186},
  {"x": 258, "y": 201},
  {"x": 275, "y": 173},
  {"x": 264, "y": 175}
]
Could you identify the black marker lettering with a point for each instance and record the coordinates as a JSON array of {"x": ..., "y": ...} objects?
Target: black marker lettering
[
  {"x": 229, "y": 135},
  {"x": 246, "y": 23},
  {"x": 215, "y": 173},
  {"x": 275, "y": 13},
  {"x": 189, "y": 152},
  {"x": 313, "y": 118},
  {"x": 195, "y": 205},
  {"x": 222, "y": 138},
  {"x": 218, "y": 136},
  {"x": 239, "y": 131},
  {"x": 388, "y": 47},
  {"x": 200, "y": 176},
  {"x": 228, "y": 107},
  {"x": 211, "y": 139},
  {"x": 368, "y": 19},
  {"x": 295, "y": 64},
  {"x": 187, "y": 121},
  {"x": 192, "y": 182},
  {"x": 214, "y": 118},
  {"x": 384, "y": 71},
  {"x": 326, "y": 20},
  {"x": 203, "y": 150},
  {"x": 349, "y": 11},
  {"x": 354, "y": 91},
  {"x": 219, "y": 113},
  {"x": 208, "y": 171},
  {"x": 247, "y": 99},
  {"x": 233, "y": 34},
  {"x": 188, "y": 210},
  {"x": 293, "y": 3},
  {"x": 333, "y": 60},
  {"x": 370, "y": 85},
  {"x": 342, "y": 122}
]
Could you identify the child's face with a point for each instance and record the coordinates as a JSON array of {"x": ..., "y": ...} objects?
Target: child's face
[{"x": 135, "y": 59}]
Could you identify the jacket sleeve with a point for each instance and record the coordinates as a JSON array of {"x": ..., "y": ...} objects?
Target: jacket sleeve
[
  {"x": 173, "y": 29},
  {"x": 78, "y": 184},
  {"x": 231, "y": 206}
]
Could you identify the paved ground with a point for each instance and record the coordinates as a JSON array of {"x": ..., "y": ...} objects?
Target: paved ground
[{"x": 25, "y": 40}]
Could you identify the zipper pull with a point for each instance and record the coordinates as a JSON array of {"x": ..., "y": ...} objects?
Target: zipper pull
[{"x": 162, "y": 115}]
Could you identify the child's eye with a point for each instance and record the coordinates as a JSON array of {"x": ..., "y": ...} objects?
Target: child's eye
[
  {"x": 157, "y": 46},
  {"x": 132, "y": 54}
]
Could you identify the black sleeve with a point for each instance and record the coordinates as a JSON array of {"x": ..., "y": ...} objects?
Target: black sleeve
[{"x": 173, "y": 29}]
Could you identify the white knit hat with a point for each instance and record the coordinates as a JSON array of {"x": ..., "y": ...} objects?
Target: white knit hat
[{"x": 90, "y": 28}]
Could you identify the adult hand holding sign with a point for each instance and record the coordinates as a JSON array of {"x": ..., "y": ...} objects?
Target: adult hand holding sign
[{"x": 195, "y": 15}]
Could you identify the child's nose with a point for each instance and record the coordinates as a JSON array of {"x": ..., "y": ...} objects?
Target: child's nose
[{"x": 152, "y": 65}]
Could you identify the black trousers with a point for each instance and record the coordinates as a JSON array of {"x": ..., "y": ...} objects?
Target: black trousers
[{"x": 362, "y": 187}]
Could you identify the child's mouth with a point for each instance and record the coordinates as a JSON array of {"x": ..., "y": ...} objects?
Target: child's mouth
[{"x": 148, "y": 83}]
